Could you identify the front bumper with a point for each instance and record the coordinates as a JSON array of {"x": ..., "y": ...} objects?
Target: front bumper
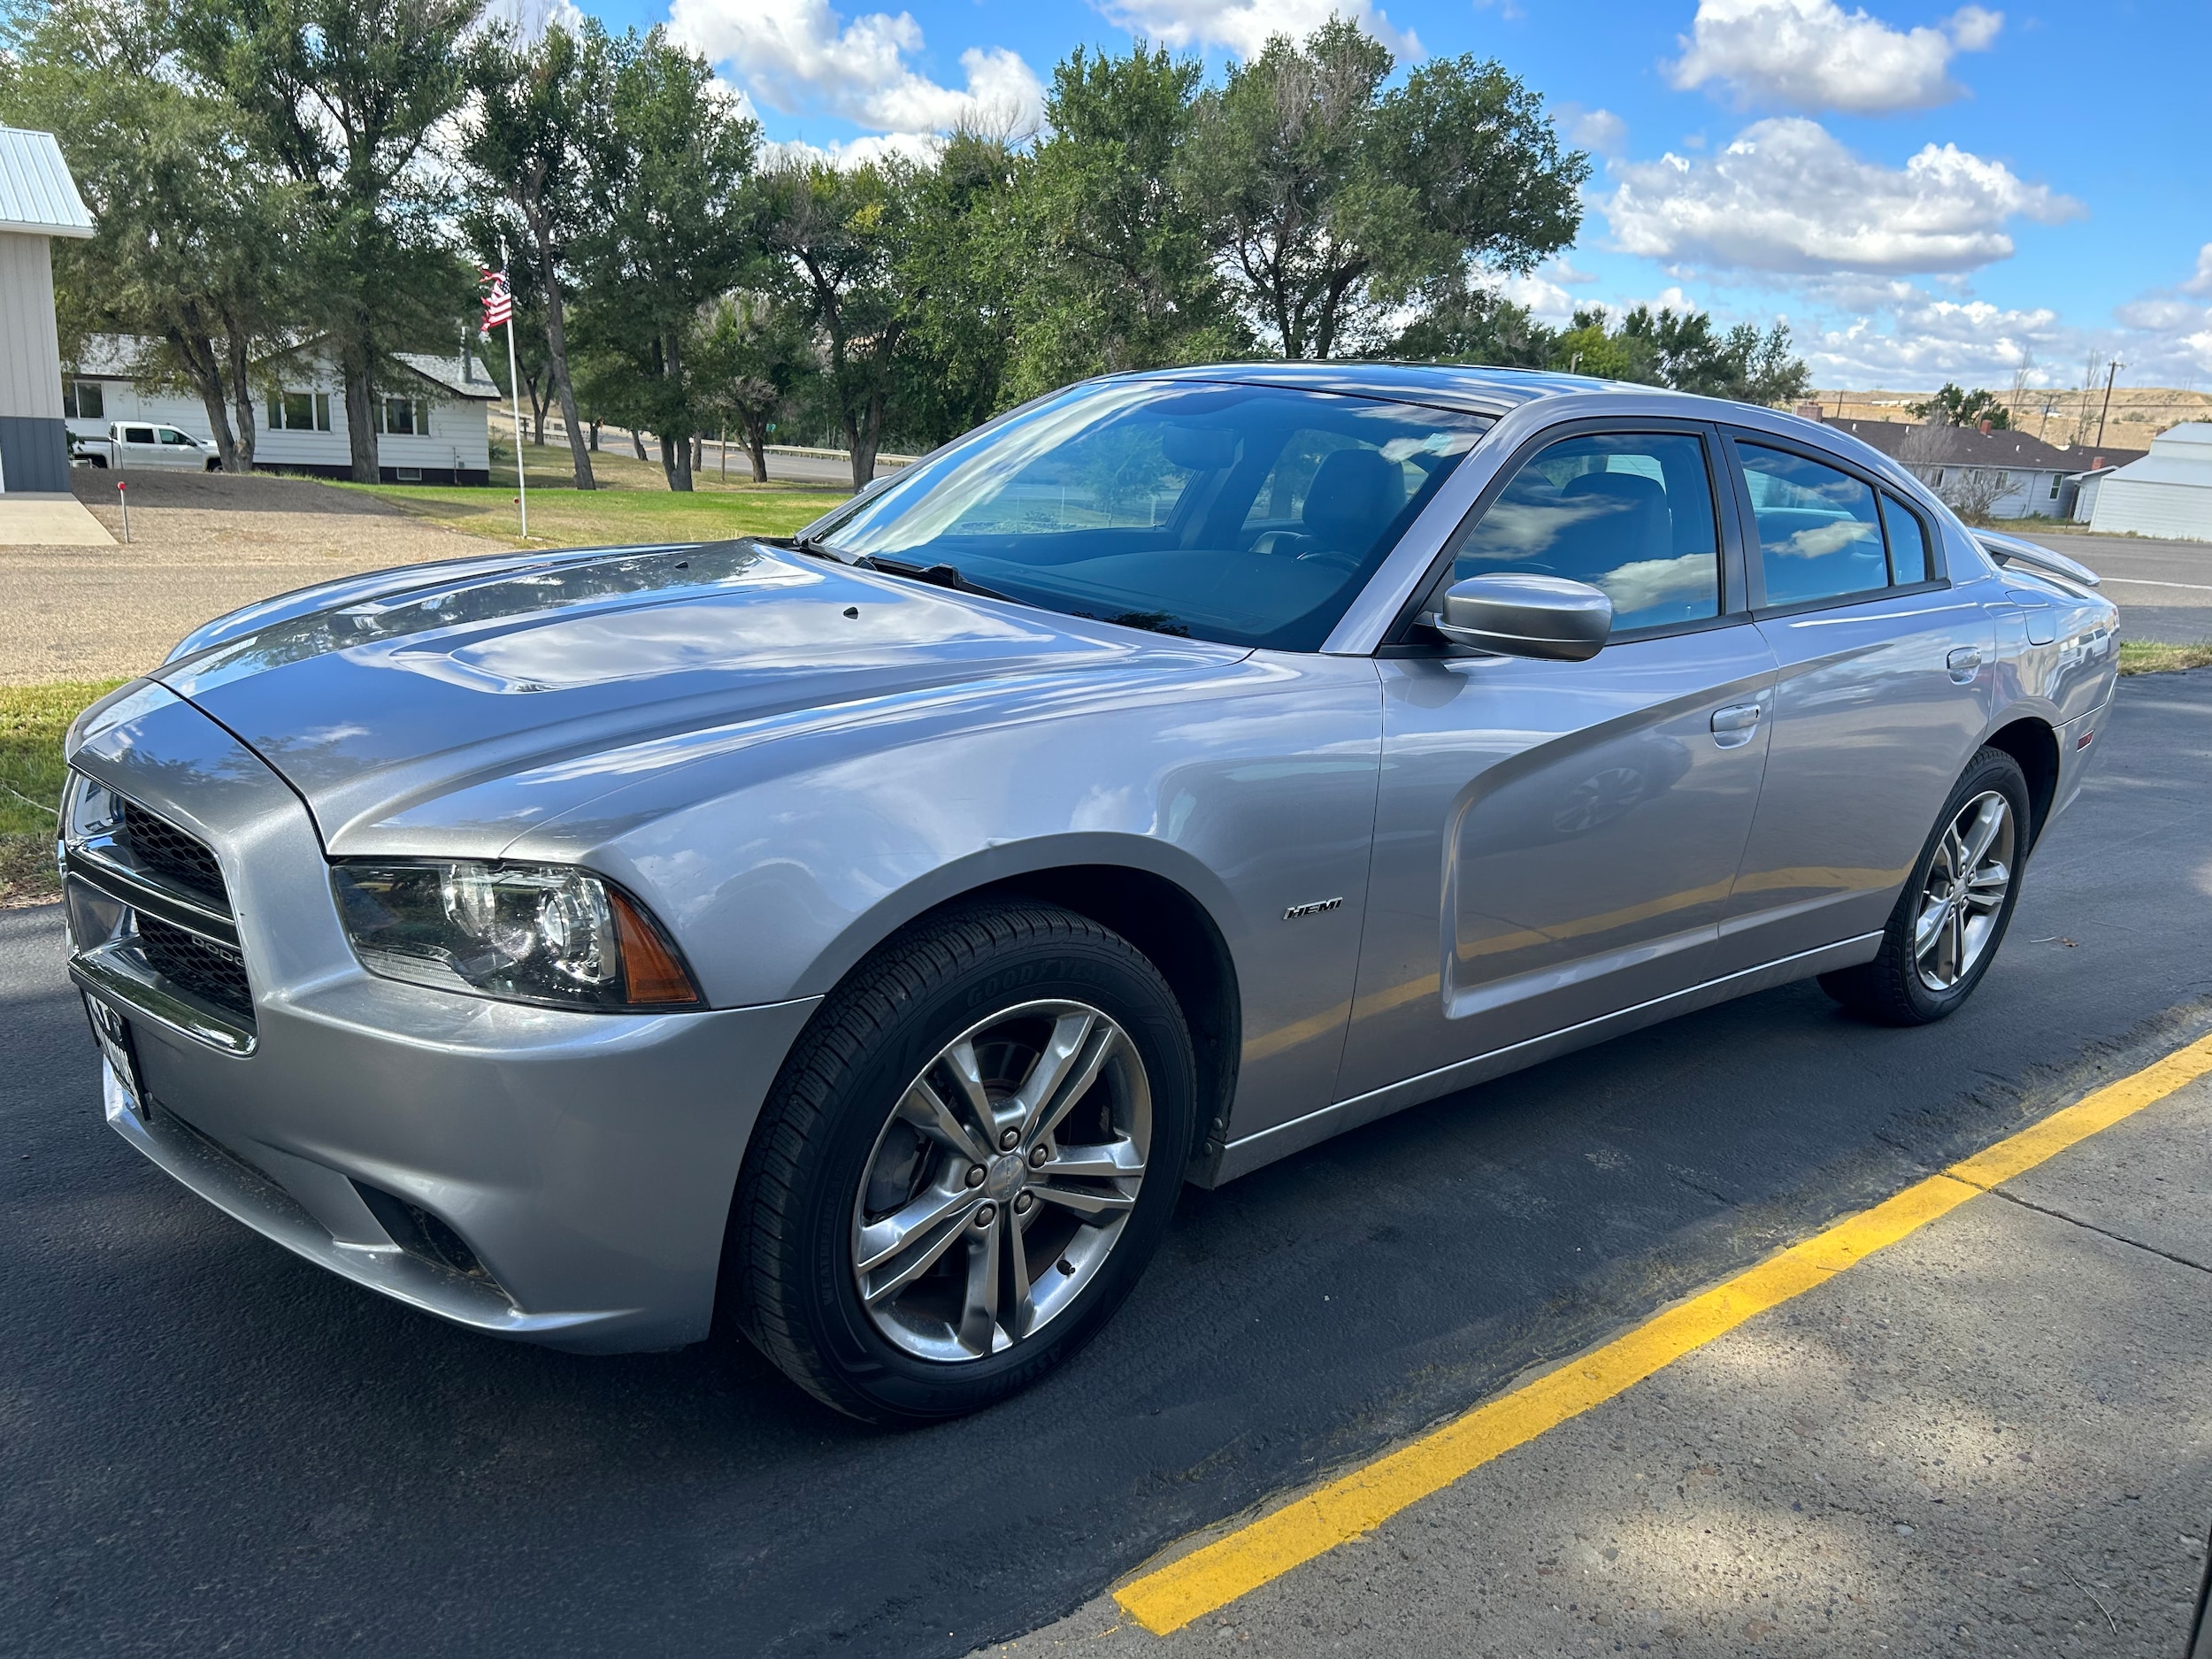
[{"x": 542, "y": 1173}]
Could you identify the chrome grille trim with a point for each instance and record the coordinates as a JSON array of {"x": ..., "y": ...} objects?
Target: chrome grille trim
[
  {"x": 91, "y": 862},
  {"x": 117, "y": 973}
]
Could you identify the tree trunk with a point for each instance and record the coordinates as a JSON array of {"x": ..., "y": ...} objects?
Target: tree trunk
[
  {"x": 676, "y": 463},
  {"x": 557, "y": 369},
  {"x": 357, "y": 364},
  {"x": 537, "y": 411},
  {"x": 205, "y": 369},
  {"x": 756, "y": 445},
  {"x": 241, "y": 396},
  {"x": 698, "y": 454},
  {"x": 637, "y": 442}
]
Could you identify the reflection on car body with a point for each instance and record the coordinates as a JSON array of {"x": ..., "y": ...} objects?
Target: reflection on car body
[{"x": 851, "y": 943}]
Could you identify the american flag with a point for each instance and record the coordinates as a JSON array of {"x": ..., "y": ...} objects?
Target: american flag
[{"x": 499, "y": 299}]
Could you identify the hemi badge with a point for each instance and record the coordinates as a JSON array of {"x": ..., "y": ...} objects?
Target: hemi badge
[{"x": 1314, "y": 908}]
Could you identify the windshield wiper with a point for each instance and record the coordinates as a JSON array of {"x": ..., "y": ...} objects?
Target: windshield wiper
[{"x": 935, "y": 575}]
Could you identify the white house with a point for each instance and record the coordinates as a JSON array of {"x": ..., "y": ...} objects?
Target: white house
[
  {"x": 1996, "y": 474},
  {"x": 430, "y": 426},
  {"x": 38, "y": 201},
  {"x": 2168, "y": 493}
]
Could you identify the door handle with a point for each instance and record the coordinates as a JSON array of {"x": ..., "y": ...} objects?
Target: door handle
[
  {"x": 1733, "y": 727},
  {"x": 1964, "y": 663}
]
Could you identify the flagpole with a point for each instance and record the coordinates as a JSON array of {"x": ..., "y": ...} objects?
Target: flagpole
[{"x": 514, "y": 389}]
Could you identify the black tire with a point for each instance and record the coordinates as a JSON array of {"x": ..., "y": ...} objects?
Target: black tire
[
  {"x": 1890, "y": 990},
  {"x": 787, "y": 1276}
]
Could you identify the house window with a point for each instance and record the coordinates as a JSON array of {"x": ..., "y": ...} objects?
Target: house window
[
  {"x": 83, "y": 400},
  {"x": 298, "y": 411},
  {"x": 408, "y": 474},
  {"x": 2055, "y": 487},
  {"x": 406, "y": 416}
]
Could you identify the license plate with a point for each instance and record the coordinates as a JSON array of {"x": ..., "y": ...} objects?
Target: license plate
[{"x": 113, "y": 1033}]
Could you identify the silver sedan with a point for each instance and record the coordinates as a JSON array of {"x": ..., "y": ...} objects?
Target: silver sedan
[{"x": 851, "y": 943}]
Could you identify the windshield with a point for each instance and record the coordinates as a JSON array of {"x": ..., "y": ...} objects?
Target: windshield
[{"x": 1243, "y": 514}]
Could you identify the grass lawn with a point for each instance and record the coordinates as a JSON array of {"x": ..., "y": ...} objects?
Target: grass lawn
[
  {"x": 632, "y": 504},
  {"x": 2140, "y": 656},
  {"x": 32, "y": 719}
]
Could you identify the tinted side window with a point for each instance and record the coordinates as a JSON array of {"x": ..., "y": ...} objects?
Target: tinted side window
[
  {"x": 1908, "y": 560},
  {"x": 1629, "y": 513},
  {"x": 1819, "y": 535}
]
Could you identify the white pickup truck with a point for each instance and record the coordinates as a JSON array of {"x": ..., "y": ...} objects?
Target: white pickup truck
[{"x": 141, "y": 444}]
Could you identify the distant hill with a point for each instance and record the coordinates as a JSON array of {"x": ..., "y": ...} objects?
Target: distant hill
[{"x": 2060, "y": 416}]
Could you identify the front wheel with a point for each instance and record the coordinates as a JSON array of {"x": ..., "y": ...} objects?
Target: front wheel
[
  {"x": 965, "y": 1164},
  {"x": 1954, "y": 911}
]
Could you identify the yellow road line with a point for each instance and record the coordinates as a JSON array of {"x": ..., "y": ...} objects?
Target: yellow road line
[{"x": 1210, "y": 1578}]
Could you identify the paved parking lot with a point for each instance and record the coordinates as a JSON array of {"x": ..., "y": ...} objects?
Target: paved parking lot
[{"x": 206, "y": 1445}]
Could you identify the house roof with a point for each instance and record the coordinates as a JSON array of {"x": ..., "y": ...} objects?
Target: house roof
[
  {"x": 1918, "y": 445},
  {"x": 2180, "y": 455},
  {"x": 122, "y": 357},
  {"x": 37, "y": 195},
  {"x": 452, "y": 375}
]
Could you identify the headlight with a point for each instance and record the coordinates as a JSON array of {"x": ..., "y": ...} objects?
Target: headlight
[{"x": 522, "y": 932}]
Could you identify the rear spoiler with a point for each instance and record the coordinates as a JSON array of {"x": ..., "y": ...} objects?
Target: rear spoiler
[{"x": 2010, "y": 549}]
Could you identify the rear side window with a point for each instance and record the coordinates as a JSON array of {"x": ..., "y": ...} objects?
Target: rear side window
[
  {"x": 1629, "y": 513},
  {"x": 1820, "y": 536},
  {"x": 138, "y": 435},
  {"x": 1908, "y": 560}
]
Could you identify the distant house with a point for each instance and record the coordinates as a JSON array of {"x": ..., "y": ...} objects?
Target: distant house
[
  {"x": 2167, "y": 492},
  {"x": 1988, "y": 474},
  {"x": 38, "y": 201},
  {"x": 430, "y": 419}
]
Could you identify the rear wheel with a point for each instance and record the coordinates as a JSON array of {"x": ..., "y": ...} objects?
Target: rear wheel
[
  {"x": 965, "y": 1164},
  {"x": 1954, "y": 911}
]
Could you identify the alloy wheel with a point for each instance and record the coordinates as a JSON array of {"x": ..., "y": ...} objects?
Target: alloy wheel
[
  {"x": 1964, "y": 894},
  {"x": 1001, "y": 1180}
]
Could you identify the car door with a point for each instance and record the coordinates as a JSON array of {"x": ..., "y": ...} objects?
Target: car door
[
  {"x": 1556, "y": 841},
  {"x": 179, "y": 449},
  {"x": 1878, "y": 702},
  {"x": 137, "y": 446}
]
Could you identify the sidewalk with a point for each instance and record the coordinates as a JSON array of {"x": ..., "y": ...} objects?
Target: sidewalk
[{"x": 1992, "y": 1437}]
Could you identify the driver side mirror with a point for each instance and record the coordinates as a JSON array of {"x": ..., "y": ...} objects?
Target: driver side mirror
[{"x": 1543, "y": 617}]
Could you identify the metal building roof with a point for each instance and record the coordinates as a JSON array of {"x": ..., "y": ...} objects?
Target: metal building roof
[{"x": 37, "y": 195}]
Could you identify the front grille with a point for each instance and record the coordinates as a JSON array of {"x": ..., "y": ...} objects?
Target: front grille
[
  {"x": 215, "y": 974},
  {"x": 161, "y": 848}
]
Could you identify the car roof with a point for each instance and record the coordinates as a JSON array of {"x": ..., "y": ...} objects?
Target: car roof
[{"x": 1439, "y": 385}]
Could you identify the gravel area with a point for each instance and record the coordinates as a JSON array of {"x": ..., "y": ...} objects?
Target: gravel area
[{"x": 201, "y": 544}]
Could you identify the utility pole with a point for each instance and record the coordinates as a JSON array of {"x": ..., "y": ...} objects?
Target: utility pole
[{"x": 2111, "y": 369}]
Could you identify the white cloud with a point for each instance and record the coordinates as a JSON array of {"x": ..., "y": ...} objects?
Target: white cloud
[
  {"x": 1787, "y": 197},
  {"x": 800, "y": 57},
  {"x": 2201, "y": 283},
  {"x": 1812, "y": 55},
  {"x": 1245, "y": 26},
  {"x": 1599, "y": 130},
  {"x": 854, "y": 152},
  {"x": 1909, "y": 338}
]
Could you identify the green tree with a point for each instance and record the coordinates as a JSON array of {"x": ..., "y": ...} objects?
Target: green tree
[
  {"x": 842, "y": 232},
  {"x": 1952, "y": 407},
  {"x": 192, "y": 251},
  {"x": 1329, "y": 201},
  {"x": 755, "y": 352},
  {"x": 1464, "y": 323},
  {"x": 539, "y": 116},
  {"x": 1115, "y": 269},
  {"x": 962, "y": 266},
  {"x": 345, "y": 95},
  {"x": 672, "y": 230}
]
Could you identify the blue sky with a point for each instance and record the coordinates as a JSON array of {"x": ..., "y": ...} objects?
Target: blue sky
[{"x": 1924, "y": 193}]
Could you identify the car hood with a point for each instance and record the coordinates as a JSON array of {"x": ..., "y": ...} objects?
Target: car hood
[{"x": 392, "y": 697}]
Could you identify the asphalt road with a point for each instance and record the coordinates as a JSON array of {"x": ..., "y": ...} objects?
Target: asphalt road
[
  {"x": 2163, "y": 588},
  {"x": 206, "y": 1445}
]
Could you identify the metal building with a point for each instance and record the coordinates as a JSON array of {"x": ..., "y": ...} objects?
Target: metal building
[
  {"x": 2168, "y": 493},
  {"x": 38, "y": 201}
]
